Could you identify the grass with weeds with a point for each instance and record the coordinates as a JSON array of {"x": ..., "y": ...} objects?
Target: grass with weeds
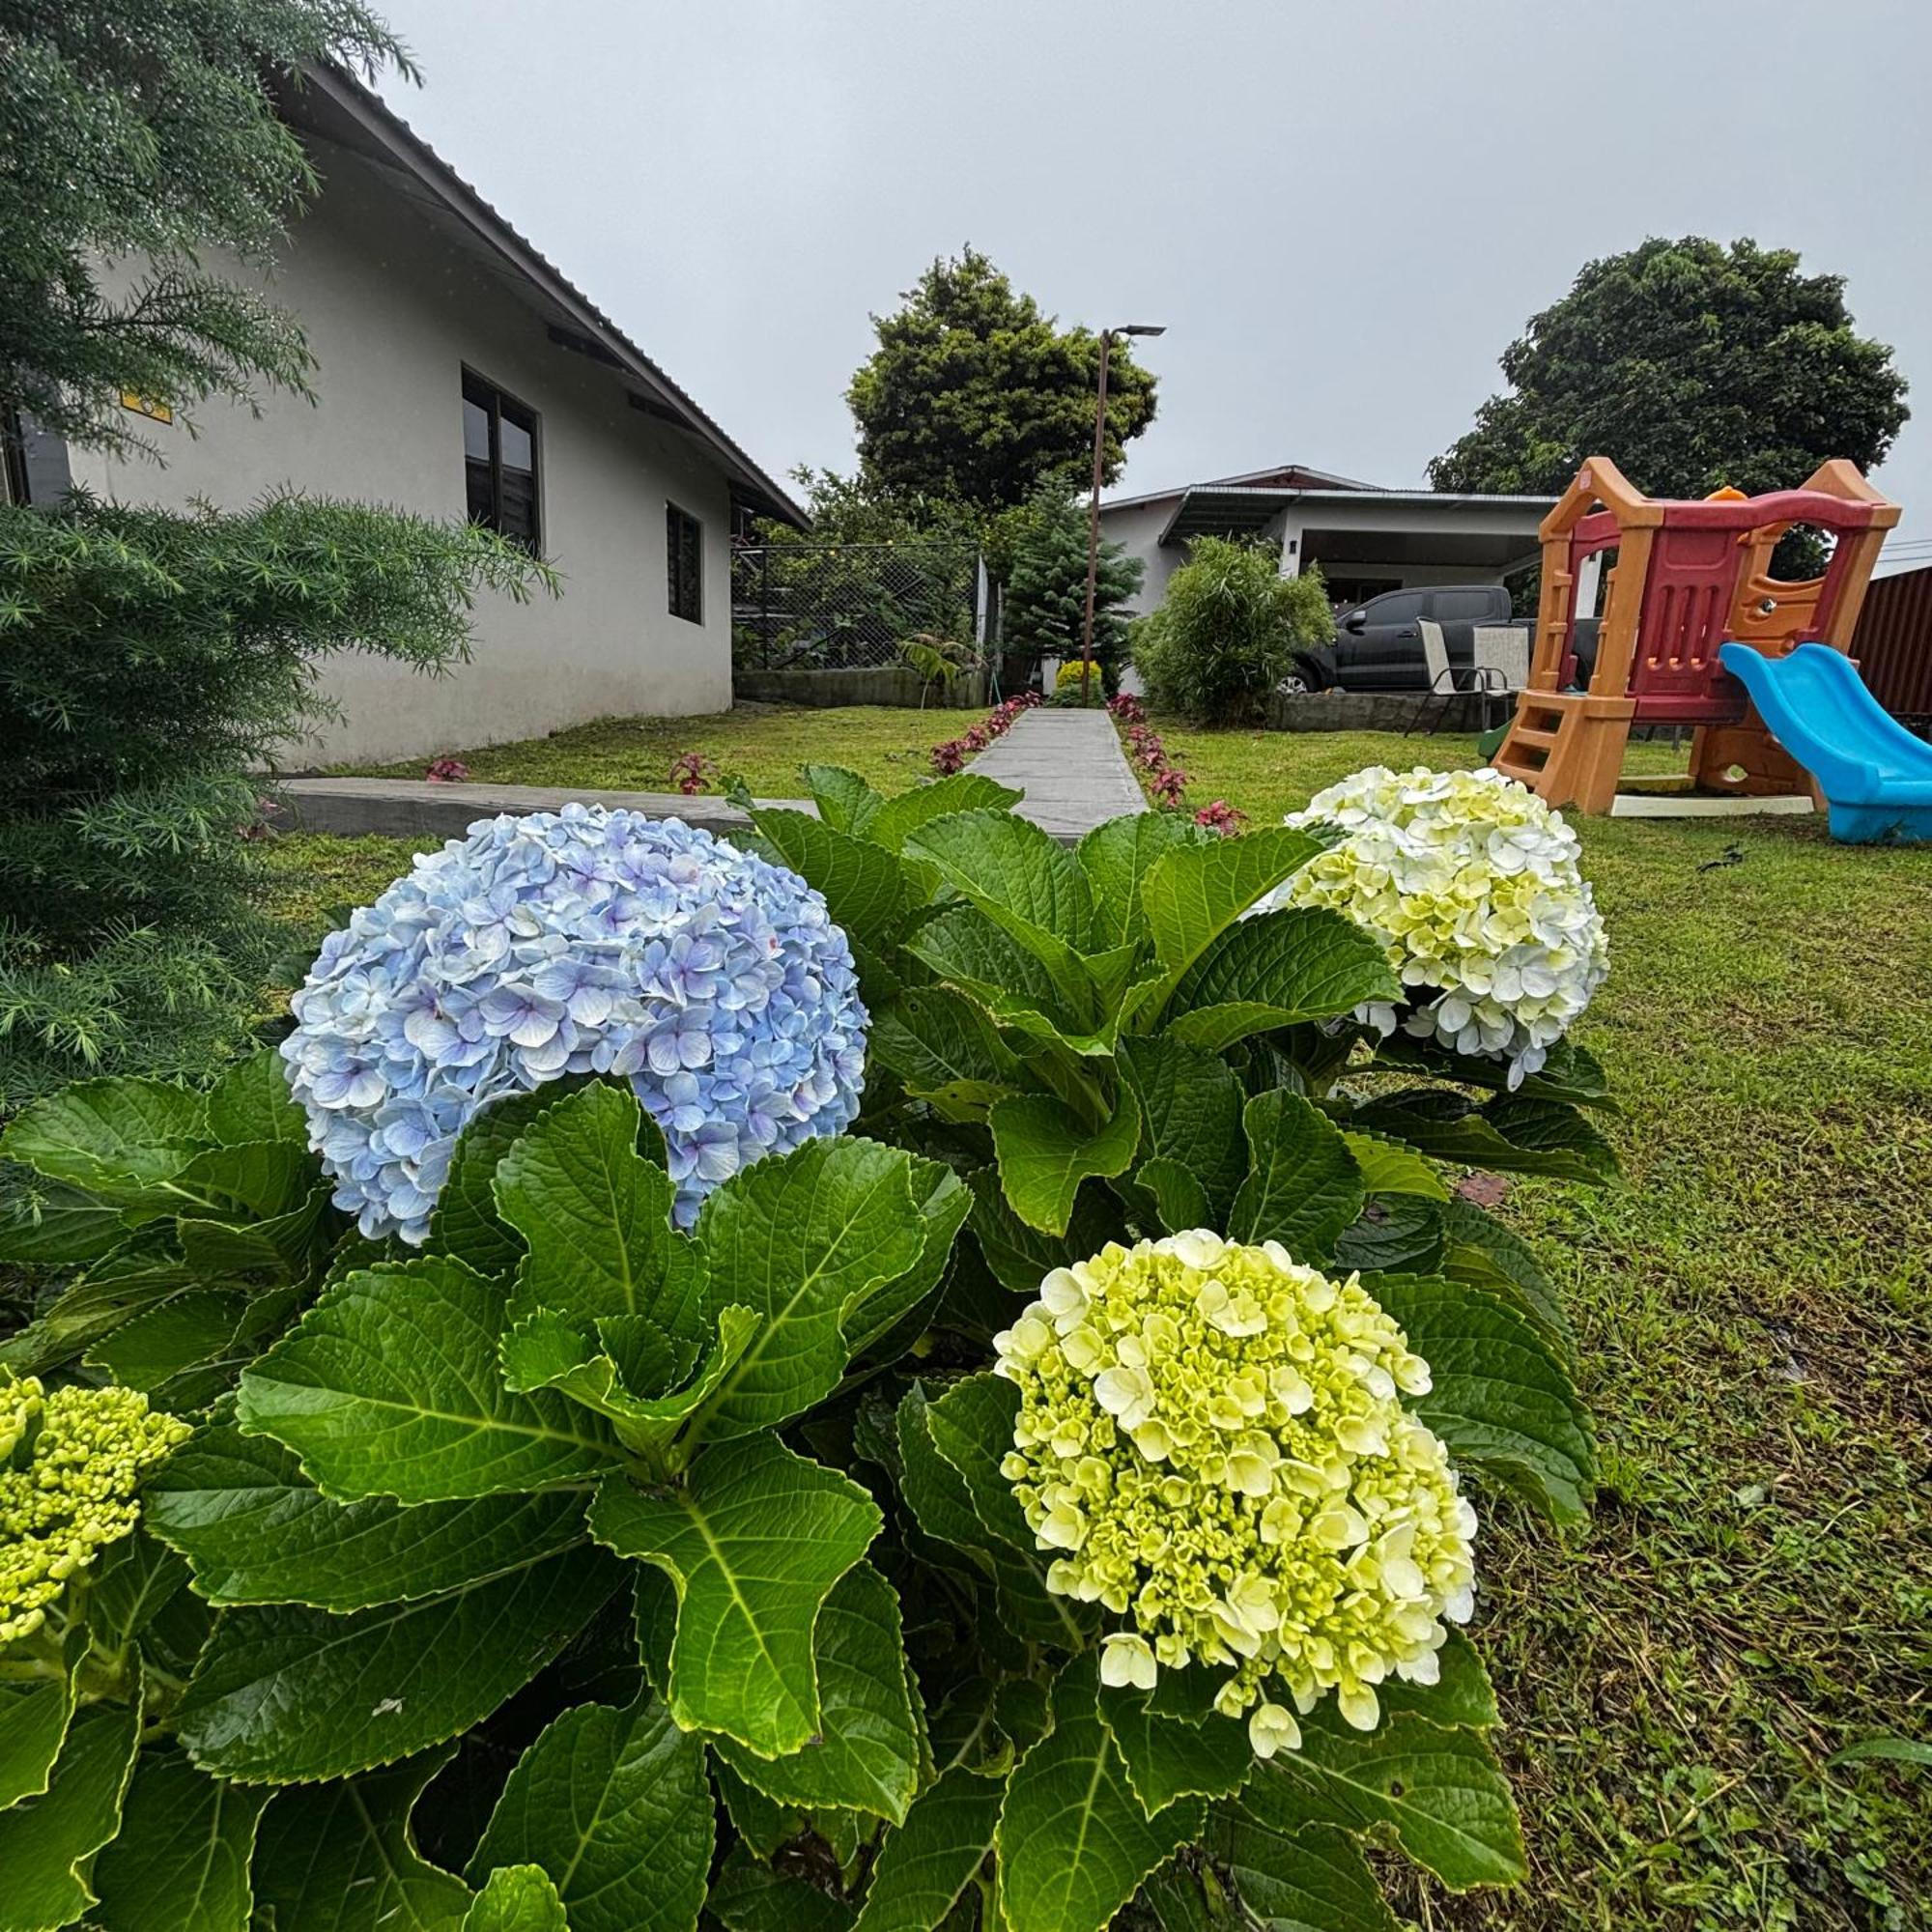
[{"x": 1755, "y": 1315}]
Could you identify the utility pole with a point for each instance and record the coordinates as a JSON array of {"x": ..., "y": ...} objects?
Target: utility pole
[{"x": 1107, "y": 336}]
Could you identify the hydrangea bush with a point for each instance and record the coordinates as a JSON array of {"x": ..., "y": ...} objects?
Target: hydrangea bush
[
  {"x": 581, "y": 941},
  {"x": 1052, "y": 1510},
  {"x": 1475, "y": 886}
]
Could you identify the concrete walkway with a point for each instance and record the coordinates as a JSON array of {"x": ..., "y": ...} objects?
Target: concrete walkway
[{"x": 1070, "y": 765}]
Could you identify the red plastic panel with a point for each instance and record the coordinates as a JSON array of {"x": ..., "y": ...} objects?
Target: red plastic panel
[{"x": 1675, "y": 675}]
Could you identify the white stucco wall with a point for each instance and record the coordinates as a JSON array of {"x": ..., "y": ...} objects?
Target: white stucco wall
[
  {"x": 1137, "y": 528},
  {"x": 393, "y": 313}
]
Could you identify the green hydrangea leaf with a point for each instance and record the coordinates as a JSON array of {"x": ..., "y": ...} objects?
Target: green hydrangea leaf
[
  {"x": 341, "y": 1857},
  {"x": 760, "y": 1822},
  {"x": 131, "y": 1586},
  {"x": 899, "y": 816},
  {"x": 1479, "y": 1249},
  {"x": 45, "y": 1841},
  {"x": 925, "y": 1867},
  {"x": 182, "y": 1853},
  {"x": 1502, "y": 1400},
  {"x": 966, "y": 949},
  {"x": 465, "y": 1221},
  {"x": 1020, "y": 1256},
  {"x": 55, "y": 1224},
  {"x": 285, "y": 1246},
  {"x": 614, "y": 1806},
  {"x": 867, "y": 1754},
  {"x": 155, "y": 1347},
  {"x": 287, "y": 1692},
  {"x": 1180, "y": 1201},
  {"x": 256, "y": 1180},
  {"x": 1439, "y": 1790},
  {"x": 140, "y": 1274},
  {"x": 753, "y": 1544},
  {"x": 1177, "y": 1902},
  {"x": 1190, "y": 1106},
  {"x": 1294, "y": 1871},
  {"x": 1392, "y": 1167},
  {"x": 517, "y": 1899},
  {"x": 391, "y": 1386},
  {"x": 1279, "y": 969},
  {"x": 1569, "y": 1073},
  {"x": 34, "y": 1716},
  {"x": 253, "y": 1101},
  {"x": 1509, "y": 1136},
  {"x": 257, "y": 1531},
  {"x": 800, "y": 1238},
  {"x": 1073, "y": 1843},
  {"x": 1116, "y": 856},
  {"x": 944, "y": 1201},
  {"x": 1165, "y": 1758},
  {"x": 937, "y": 1041},
  {"x": 865, "y": 885},
  {"x": 845, "y": 802},
  {"x": 1554, "y": 1131},
  {"x": 118, "y": 1139},
  {"x": 971, "y": 1425},
  {"x": 1045, "y": 1151},
  {"x": 751, "y": 1897},
  {"x": 595, "y": 1216},
  {"x": 1023, "y": 879},
  {"x": 1303, "y": 1186},
  {"x": 1464, "y": 1694},
  {"x": 1395, "y": 1233},
  {"x": 1194, "y": 893}
]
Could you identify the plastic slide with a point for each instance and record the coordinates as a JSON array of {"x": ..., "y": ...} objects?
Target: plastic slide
[{"x": 1875, "y": 775}]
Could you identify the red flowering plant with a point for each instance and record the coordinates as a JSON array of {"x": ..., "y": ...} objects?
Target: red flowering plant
[
  {"x": 692, "y": 772},
  {"x": 1221, "y": 817},
  {"x": 446, "y": 771}
]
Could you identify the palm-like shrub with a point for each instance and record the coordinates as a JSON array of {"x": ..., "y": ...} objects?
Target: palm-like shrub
[{"x": 818, "y": 1563}]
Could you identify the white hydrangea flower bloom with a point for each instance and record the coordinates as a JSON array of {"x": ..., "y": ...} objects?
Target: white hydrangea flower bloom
[{"x": 1473, "y": 884}]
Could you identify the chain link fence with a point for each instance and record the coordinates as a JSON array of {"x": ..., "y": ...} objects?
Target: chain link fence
[{"x": 853, "y": 606}]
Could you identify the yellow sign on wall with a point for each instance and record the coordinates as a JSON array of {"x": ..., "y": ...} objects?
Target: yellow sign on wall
[{"x": 146, "y": 406}]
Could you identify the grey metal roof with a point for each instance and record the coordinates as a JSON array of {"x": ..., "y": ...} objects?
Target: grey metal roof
[
  {"x": 1218, "y": 511},
  {"x": 1244, "y": 477},
  {"x": 366, "y": 113}
]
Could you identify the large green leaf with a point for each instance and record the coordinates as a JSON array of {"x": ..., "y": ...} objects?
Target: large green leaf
[
  {"x": 865, "y": 885},
  {"x": 1279, "y": 969},
  {"x": 34, "y": 1716},
  {"x": 182, "y": 1855},
  {"x": 898, "y": 818},
  {"x": 1020, "y": 1256},
  {"x": 1438, "y": 1790},
  {"x": 942, "y": 1505},
  {"x": 1391, "y": 1167},
  {"x": 253, "y": 1101},
  {"x": 753, "y": 1544},
  {"x": 140, "y": 1274},
  {"x": 341, "y": 1857},
  {"x": 150, "y": 1350},
  {"x": 1116, "y": 856},
  {"x": 1501, "y": 1398},
  {"x": 1045, "y": 1151},
  {"x": 1395, "y": 1233},
  {"x": 800, "y": 1238},
  {"x": 1480, "y": 1249},
  {"x": 845, "y": 802},
  {"x": 1193, "y": 893},
  {"x": 257, "y": 1531},
  {"x": 466, "y": 1220},
  {"x": 867, "y": 1754},
  {"x": 286, "y": 1247},
  {"x": 1508, "y": 1136},
  {"x": 944, "y": 1201},
  {"x": 517, "y": 1899},
  {"x": 971, "y": 1425},
  {"x": 1024, "y": 880},
  {"x": 748, "y": 1896},
  {"x": 119, "y": 1139},
  {"x": 927, "y": 1865},
  {"x": 1190, "y": 1106},
  {"x": 391, "y": 1386},
  {"x": 1166, "y": 1758},
  {"x": 613, "y": 1806},
  {"x": 1073, "y": 1843},
  {"x": 47, "y": 1841},
  {"x": 287, "y": 1692},
  {"x": 940, "y": 1044},
  {"x": 595, "y": 1216},
  {"x": 1303, "y": 1186},
  {"x": 1294, "y": 1870},
  {"x": 55, "y": 1224},
  {"x": 1568, "y": 1072}
]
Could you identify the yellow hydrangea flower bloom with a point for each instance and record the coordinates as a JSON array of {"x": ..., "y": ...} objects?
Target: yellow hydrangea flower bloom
[
  {"x": 1211, "y": 1442},
  {"x": 70, "y": 1464}
]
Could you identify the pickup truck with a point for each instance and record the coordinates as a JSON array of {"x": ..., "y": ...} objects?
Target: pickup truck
[{"x": 1378, "y": 643}]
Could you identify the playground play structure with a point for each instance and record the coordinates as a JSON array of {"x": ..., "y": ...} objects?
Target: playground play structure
[{"x": 1695, "y": 630}]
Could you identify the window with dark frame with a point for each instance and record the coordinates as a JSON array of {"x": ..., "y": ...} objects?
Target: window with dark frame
[
  {"x": 499, "y": 462},
  {"x": 683, "y": 563}
]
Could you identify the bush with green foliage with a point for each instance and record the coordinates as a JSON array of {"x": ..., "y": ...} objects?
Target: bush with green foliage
[
  {"x": 578, "y": 1571},
  {"x": 1045, "y": 611},
  {"x": 150, "y": 666},
  {"x": 1226, "y": 633}
]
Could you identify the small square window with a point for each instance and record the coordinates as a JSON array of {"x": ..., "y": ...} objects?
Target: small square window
[
  {"x": 683, "y": 563},
  {"x": 499, "y": 462}
]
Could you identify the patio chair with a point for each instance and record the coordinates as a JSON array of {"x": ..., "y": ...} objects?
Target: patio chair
[
  {"x": 1446, "y": 681},
  {"x": 1500, "y": 658}
]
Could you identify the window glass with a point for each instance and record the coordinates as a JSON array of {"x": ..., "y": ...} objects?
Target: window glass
[
  {"x": 475, "y": 432},
  {"x": 499, "y": 462},
  {"x": 1404, "y": 606},
  {"x": 684, "y": 564},
  {"x": 1459, "y": 606}
]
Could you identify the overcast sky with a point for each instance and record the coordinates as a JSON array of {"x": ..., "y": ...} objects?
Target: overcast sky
[{"x": 1342, "y": 213}]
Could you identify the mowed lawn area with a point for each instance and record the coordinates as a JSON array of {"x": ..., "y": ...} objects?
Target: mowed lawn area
[{"x": 1754, "y": 1310}]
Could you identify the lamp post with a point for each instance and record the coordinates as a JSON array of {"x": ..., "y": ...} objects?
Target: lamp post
[{"x": 1107, "y": 336}]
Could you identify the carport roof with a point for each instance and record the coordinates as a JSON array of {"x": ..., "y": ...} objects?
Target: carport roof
[{"x": 1212, "y": 510}]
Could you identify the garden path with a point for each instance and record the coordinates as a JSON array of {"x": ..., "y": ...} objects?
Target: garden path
[{"x": 1070, "y": 765}]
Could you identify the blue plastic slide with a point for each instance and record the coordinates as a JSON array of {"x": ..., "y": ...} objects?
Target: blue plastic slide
[{"x": 1875, "y": 775}]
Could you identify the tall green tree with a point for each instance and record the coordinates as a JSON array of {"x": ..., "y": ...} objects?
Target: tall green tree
[
  {"x": 1046, "y": 608},
  {"x": 1690, "y": 365},
  {"x": 149, "y": 662},
  {"x": 975, "y": 395}
]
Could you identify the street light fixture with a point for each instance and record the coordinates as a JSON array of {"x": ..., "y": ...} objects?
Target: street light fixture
[{"x": 1107, "y": 336}]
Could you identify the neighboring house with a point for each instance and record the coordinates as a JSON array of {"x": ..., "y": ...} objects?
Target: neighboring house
[
  {"x": 1366, "y": 540},
  {"x": 461, "y": 374}
]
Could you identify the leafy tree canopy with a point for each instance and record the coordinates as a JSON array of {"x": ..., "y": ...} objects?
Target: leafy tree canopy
[
  {"x": 148, "y": 133},
  {"x": 1690, "y": 365},
  {"x": 975, "y": 395}
]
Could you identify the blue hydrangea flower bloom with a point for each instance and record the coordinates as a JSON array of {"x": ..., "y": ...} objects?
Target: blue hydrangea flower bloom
[{"x": 581, "y": 941}]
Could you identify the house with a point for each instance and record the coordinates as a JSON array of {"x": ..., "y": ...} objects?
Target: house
[
  {"x": 461, "y": 374},
  {"x": 1365, "y": 539}
]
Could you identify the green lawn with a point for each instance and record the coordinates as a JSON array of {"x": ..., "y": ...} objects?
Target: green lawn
[{"x": 1755, "y": 1308}]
